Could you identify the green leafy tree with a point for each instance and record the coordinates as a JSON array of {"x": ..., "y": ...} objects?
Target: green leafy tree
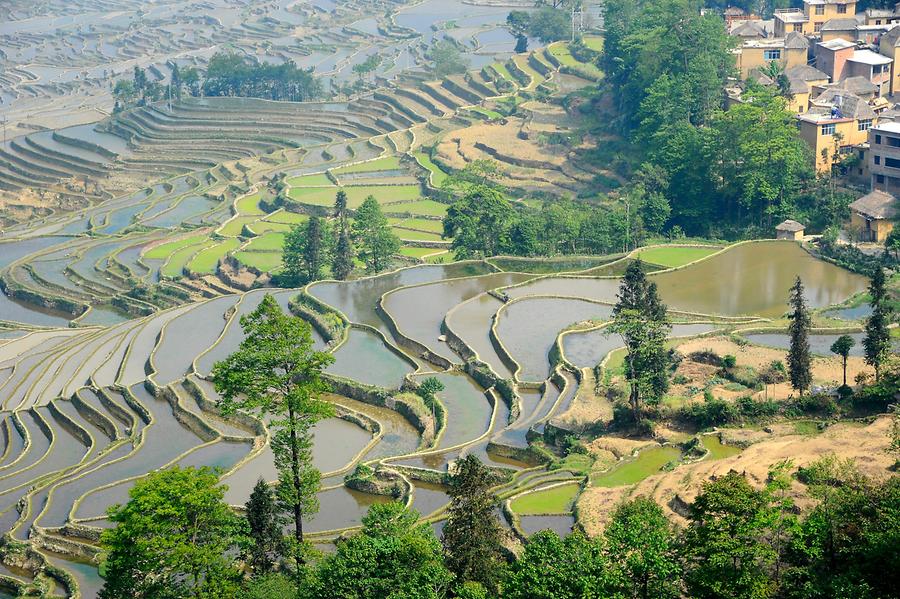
[
  {"x": 841, "y": 347},
  {"x": 799, "y": 357},
  {"x": 554, "y": 568},
  {"x": 270, "y": 586},
  {"x": 392, "y": 556},
  {"x": 265, "y": 528},
  {"x": 428, "y": 390},
  {"x": 314, "y": 254},
  {"x": 877, "y": 342},
  {"x": 479, "y": 223},
  {"x": 172, "y": 539},
  {"x": 340, "y": 205},
  {"x": 642, "y": 553},
  {"x": 376, "y": 242},
  {"x": 447, "y": 59},
  {"x": 518, "y": 21},
  {"x": 725, "y": 544},
  {"x": 276, "y": 373},
  {"x": 549, "y": 25},
  {"x": 472, "y": 535},
  {"x": 639, "y": 318}
]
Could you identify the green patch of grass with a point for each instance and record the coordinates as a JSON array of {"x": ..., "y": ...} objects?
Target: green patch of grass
[
  {"x": 206, "y": 260},
  {"x": 437, "y": 175},
  {"x": 503, "y": 71},
  {"x": 439, "y": 258},
  {"x": 593, "y": 42},
  {"x": 264, "y": 261},
  {"x": 632, "y": 471},
  {"x": 262, "y": 226},
  {"x": 423, "y": 207},
  {"x": 536, "y": 78},
  {"x": 249, "y": 205},
  {"x": 555, "y": 500},
  {"x": 174, "y": 266},
  {"x": 675, "y": 256},
  {"x": 486, "y": 113},
  {"x": 164, "y": 250},
  {"x": 807, "y": 427},
  {"x": 270, "y": 242},
  {"x": 416, "y": 235},
  {"x": 233, "y": 227},
  {"x": 310, "y": 180},
  {"x": 575, "y": 462},
  {"x": 324, "y": 196},
  {"x": 419, "y": 224},
  {"x": 386, "y": 163},
  {"x": 285, "y": 217},
  {"x": 416, "y": 252}
]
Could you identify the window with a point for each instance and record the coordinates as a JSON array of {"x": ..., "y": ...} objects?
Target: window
[
  {"x": 864, "y": 125},
  {"x": 842, "y": 9},
  {"x": 892, "y": 162},
  {"x": 820, "y": 9},
  {"x": 772, "y": 54},
  {"x": 828, "y": 129},
  {"x": 879, "y": 178},
  {"x": 798, "y": 27},
  {"x": 894, "y": 142},
  {"x": 878, "y": 21},
  {"x": 877, "y": 159},
  {"x": 877, "y": 139},
  {"x": 818, "y": 27}
]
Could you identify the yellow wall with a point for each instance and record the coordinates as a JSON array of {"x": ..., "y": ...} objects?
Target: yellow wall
[
  {"x": 890, "y": 51},
  {"x": 812, "y": 134},
  {"x": 879, "y": 229},
  {"x": 850, "y": 36},
  {"x": 752, "y": 58},
  {"x": 831, "y": 12}
]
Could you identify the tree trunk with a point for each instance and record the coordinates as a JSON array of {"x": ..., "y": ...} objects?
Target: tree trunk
[
  {"x": 295, "y": 471},
  {"x": 845, "y": 371}
]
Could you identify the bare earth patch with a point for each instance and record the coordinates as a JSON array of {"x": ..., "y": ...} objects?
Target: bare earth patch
[{"x": 865, "y": 444}]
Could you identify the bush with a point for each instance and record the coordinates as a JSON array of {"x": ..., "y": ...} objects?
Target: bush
[
  {"x": 706, "y": 357},
  {"x": 729, "y": 361}
]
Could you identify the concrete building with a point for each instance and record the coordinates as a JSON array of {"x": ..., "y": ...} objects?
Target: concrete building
[
  {"x": 835, "y": 124},
  {"x": 810, "y": 19},
  {"x": 884, "y": 157},
  {"x": 755, "y": 53}
]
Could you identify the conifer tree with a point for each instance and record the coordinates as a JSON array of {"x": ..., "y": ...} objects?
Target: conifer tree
[
  {"x": 313, "y": 249},
  {"x": 877, "y": 342},
  {"x": 376, "y": 242},
  {"x": 799, "y": 357},
  {"x": 472, "y": 535},
  {"x": 340, "y": 205},
  {"x": 264, "y": 523},
  {"x": 342, "y": 261}
]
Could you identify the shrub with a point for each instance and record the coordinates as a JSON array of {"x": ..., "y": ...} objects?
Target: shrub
[
  {"x": 706, "y": 357},
  {"x": 729, "y": 361}
]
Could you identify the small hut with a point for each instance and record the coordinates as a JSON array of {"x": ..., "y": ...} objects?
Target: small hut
[{"x": 790, "y": 229}]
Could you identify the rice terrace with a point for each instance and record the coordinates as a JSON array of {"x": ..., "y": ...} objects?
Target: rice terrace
[{"x": 359, "y": 298}]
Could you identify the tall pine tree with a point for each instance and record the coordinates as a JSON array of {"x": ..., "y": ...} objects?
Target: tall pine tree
[
  {"x": 340, "y": 205},
  {"x": 472, "y": 535},
  {"x": 314, "y": 249},
  {"x": 264, "y": 523},
  {"x": 639, "y": 317},
  {"x": 877, "y": 342},
  {"x": 799, "y": 357},
  {"x": 342, "y": 260}
]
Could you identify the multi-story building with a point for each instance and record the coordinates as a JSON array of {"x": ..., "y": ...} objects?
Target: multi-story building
[
  {"x": 884, "y": 156},
  {"x": 835, "y": 125},
  {"x": 810, "y": 19},
  {"x": 755, "y": 53}
]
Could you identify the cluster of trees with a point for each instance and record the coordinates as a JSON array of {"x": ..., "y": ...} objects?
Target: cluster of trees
[
  {"x": 446, "y": 58},
  {"x": 547, "y": 24},
  {"x": 177, "y": 538},
  {"x": 724, "y": 172},
  {"x": 233, "y": 74},
  {"x": 483, "y": 222},
  {"x": 140, "y": 90},
  {"x": 311, "y": 248}
]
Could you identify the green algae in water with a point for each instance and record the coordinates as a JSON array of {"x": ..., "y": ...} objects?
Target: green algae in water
[
  {"x": 718, "y": 450},
  {"x": 647, "y": 463},
  {"x": 555, "y": 500}
]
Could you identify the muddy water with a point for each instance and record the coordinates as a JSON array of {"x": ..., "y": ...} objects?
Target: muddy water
[
  {"x": 143, "y": 344},
  {"x": 342, "y": 507},
  {"x": 364, "y": 357},
  {"x": 398, "y": 435},
  {"x": 529, "y": 328},
  {"x": 468, "y": 410},
  {"x": 356, "y": 299},
  {"x": 419, "y": 311},
  {"x": 561, "y": 525},
  {"x": 603, "y": 290},
  {"x": 754, "y": 278},
  {"x": 472, "y": 321},
  {"x": 429, "y": 497},
  {"x": 819, "y": 344},
  {"x": 187, "y": 336},
  {"x": 587, "y": 349}
]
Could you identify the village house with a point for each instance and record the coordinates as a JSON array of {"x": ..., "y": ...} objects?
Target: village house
[
  {"x": 872, "y": 216},
  {"x": 810, "y": 19},
  {"x": 790, "y": 229},
  {"x": 836, "y": 122},
  {"x": 755, "y": 53}
]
